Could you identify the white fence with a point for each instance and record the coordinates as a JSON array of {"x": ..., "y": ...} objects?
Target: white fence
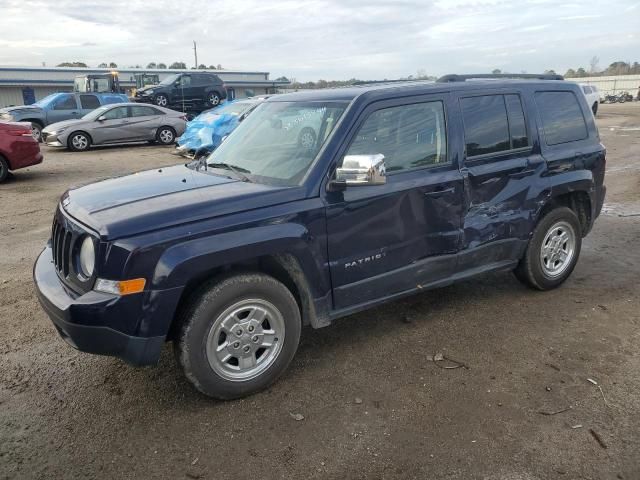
[{"x": 614, "y": 84}]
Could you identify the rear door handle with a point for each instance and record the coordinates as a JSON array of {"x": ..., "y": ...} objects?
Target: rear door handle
[
  {"x": 438, "y": 192},
  {"x": 522, "y": 174}
]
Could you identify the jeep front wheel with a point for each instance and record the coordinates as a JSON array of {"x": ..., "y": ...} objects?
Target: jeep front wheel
[
  {"x": 213, "y": 99},
  {"x": 553, "y": 250},
  {"x": 161, "y": 100},
  {"x": 237, "y": 335}
]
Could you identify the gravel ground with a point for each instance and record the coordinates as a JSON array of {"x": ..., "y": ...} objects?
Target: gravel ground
[{"x": 373, "y": 403}]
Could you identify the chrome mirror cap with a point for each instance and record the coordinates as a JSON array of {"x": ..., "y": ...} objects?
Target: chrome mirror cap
[{"x": 358, "y": 170}]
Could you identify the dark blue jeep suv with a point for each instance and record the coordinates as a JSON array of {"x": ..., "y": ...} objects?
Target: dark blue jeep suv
[{"x": 405, "y": 187}]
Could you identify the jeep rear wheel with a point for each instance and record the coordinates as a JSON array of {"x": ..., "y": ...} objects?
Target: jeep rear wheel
[
  {"x": 238, "y": 335},
  {"x": 553, "y": 250}
]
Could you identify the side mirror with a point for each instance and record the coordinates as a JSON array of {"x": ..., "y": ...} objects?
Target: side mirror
[
  {"x": 359, "y": 170},
  {"x": 102, "y": 118}
]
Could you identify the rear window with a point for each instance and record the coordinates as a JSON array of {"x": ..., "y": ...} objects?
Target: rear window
[
  {"x": 89, "y": 102},
  {"x": 493, "y": 124},
  {"x": 562, "y": 119}
]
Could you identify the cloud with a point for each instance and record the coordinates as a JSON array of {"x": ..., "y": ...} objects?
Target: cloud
[{"x": 330, "y": 39}]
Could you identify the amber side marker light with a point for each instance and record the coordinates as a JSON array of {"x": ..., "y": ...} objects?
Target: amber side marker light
[{"x": 122, "y": 287}]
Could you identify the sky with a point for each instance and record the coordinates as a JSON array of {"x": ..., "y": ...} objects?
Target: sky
[{"x": 324, "y": 39}]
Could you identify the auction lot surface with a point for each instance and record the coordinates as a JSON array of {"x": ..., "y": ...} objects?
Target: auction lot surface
[{"x": 374, "y": 404}]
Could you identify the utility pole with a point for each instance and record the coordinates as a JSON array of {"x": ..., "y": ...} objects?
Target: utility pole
[{"x": 195, "y": 53}]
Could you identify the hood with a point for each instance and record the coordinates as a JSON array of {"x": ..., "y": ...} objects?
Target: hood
[
  {"x": 165, "y": 197},
  {"x": 21, "y": 108},
  {"x": 58, "y": 125},
  {"x": 148, "y": 87}
]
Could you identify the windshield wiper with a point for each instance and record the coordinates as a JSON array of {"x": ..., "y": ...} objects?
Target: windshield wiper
[{"x": 239, "y": 171}]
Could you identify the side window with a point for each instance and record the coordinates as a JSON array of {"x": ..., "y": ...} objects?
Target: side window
[
  {"x": 562, "y": 119},
  {"x": 66, "y": 102},
  {"x": 517, "y": 125},
  {"x": 142, "y": 111},
  {"x": 486, "y": 129},
  {"x": 89, "y": 102},
  {"x": 116, "y": 113},
  {"x": 409, "y": 136},
  {"x": 185, "y": 81}
]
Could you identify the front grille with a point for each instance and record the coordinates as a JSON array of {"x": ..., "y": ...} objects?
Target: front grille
[
  {"x": 65, "y": 244},
  {"x": 61, "y": 244}
]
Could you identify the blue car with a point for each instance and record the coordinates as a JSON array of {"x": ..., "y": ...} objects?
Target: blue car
[{"x": 206, "y": 132}]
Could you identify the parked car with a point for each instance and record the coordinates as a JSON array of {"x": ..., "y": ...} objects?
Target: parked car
[
  {"x": 18, "y": 148},
  {"x": 195, "y": 87},
  {"x": 117, "y": 123},
  {"x": 593, "y": 96},
  {"x": 205, "y": 132},
  {"x": 58, "y": 107},
  {"x": 407, "y": 187}
]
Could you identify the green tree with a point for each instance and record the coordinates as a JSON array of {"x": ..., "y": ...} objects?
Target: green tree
[
  {"x": 152, "y": 65},
  {"x": 178, "y": 65},
  {"x": 496, "y": 71},
  {"x": 103, "y": 65},
  {"x": 73, "y": 64},
  {"x": 570, "y": 73},
  {"x": 581, "y": 72},
  {"x": 162, "y": 66},
  {"x": 202, "y": 66},
  {"x": 113, "y": 65}
]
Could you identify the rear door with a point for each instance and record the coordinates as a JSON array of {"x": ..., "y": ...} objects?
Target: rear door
[
  {"x": 391, "y": 238},
  {"x": 88, "y": 103},
  {"x": 143, "y": 122},
  {"x": 500, "y": 164},
  {"x": 114, "y": 128},
  {"x": 65, "y": 107}
]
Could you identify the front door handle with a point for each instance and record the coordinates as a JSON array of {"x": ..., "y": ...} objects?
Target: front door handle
[{"x": 440, "y": 191}]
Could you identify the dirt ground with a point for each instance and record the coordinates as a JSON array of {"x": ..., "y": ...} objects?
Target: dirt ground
[{"x": 374, "y": 405}]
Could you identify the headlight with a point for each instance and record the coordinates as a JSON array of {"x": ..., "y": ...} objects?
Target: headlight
[
  {"x": 87, "y": 257},
  {"x": 6, "y": 116}
]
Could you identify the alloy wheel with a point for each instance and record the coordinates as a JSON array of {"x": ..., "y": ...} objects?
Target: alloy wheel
[
  {"x": 558, "y": 249},
  {"x": 245, "y": 339}
]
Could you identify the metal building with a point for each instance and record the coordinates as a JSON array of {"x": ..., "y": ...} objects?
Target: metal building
[
  {"x": 614, "y": 84},
  {"x": 25, "y": 85}
]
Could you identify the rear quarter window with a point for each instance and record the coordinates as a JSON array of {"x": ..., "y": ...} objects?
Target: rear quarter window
[{"x": 562, "y": 118}]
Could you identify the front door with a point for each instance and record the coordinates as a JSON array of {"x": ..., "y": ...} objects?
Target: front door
[
  {"x": 114, "y": 128},
  {"x": 388, "y": 239},
  {"x": 65, "y": 107}
]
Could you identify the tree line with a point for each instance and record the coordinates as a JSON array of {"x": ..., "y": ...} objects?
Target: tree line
[
  {"x": 150, "y": 65},
  {"x": 616, "y": 68}
]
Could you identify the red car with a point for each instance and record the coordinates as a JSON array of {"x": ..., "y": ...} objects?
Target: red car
[{"x": 18, "y": 148}]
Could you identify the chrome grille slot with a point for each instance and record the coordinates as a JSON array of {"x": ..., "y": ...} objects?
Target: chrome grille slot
[{"x": 61, "y": 245}]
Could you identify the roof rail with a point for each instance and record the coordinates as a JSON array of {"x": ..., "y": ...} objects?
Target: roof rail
[{"x": 528, "y": 76}]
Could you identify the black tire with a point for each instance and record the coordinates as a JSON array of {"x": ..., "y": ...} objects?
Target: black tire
[
  {"x": 36, "y": 131},
  {"x": 213, "y": 99},
  {"x": 4, "y": 169},
  {"x": 307, "y": 138},
  {"x": 203, "y": 313},
  {"x": 594, "y": 108},
  {"x": 161, "y": 100},
  {"x": 166, "y": 136},
  {"x": 530, "y": 270},
  {"x": 79, "y": 142}
]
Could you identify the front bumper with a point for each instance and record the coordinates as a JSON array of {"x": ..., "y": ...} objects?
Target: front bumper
[
  {"x": 142, "y": 99},
  {"x": 82, "y": 320}
]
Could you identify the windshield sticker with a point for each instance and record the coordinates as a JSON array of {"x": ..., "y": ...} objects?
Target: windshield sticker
[{"x": 305, "y": 116}]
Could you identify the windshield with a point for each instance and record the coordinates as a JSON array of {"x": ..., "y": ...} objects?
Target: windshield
[
  {"x": 279, "y": 141},
  {"x": 235, "y": 108},
  {"x": 170, "y": 79},
  {"x": 94, "y": 114},
  {"x": 47, "y": 101}
]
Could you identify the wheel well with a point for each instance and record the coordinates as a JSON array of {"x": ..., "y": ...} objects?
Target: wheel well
[
  {"x": 33, "y": 120},
  {"x": 579, "y": 202},
  {"x": 284, "y": 268}
]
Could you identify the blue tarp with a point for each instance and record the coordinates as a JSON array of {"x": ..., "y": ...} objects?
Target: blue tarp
[{"x": 206, "y": 131}]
